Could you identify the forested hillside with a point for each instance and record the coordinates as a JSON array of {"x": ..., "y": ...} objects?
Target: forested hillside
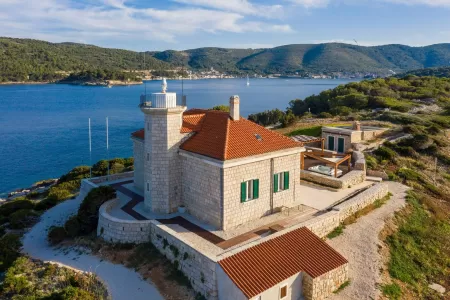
[
  {"x": 20, "y": 58},
  {"x": 24, "y": 59},
  {"x": 437, "y": 72}
]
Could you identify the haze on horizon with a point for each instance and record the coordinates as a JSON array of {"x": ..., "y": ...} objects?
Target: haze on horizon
[{"x": 185, "y": 24}]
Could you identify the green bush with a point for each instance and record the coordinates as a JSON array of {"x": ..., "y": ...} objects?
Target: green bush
[
  {"x": 385, "y": 153},
  {"x": 409, "y": 174},
  {"x": 371, "y": 162},
  {"x": 9, "y": 250},
  {"x": 88, "y": 212},
  {"x": 72, "y": 227},
  {"x": 11, "y": 206},
  {"x": 46, "y": 204},
  {"x": 56, "y": 235},
  {"x": 71, "y": 293},
  {"x": 76, "y": 173},
  {"x": 324, "y": 115},
  {"x": 22, "y": 218}
]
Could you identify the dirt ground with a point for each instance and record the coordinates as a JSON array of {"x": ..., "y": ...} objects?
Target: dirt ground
[{"x": 361, "y": 245}]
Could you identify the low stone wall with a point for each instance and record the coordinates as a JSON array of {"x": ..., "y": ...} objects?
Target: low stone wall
[
  {"x": 349, "y": 179},
  {"x": 360, "y": 201},
  {"x": 198, "y": 267},
  {"x": 113, "y": 177},
  {"x": 116, "y": 230},
  {"x": 323, "y": 224},
  {"x": 323, "y": 286},
  {"x": 359, "y": 161},
  {"x": 86, "y": 187},
  {"x": 380, "y": 174}
]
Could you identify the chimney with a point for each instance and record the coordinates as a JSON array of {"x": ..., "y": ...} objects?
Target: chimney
[
  {"x": 356, "y": 126},
  {"x": 234, "y": 108}
]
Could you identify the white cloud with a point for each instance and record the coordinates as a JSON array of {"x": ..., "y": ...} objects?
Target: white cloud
[
  {"x": 311, "y": 3},
  {"x": 252, "y": 46},
  {"x": 239, "y": 6},
  {"x": 68, "y": 20},
  {"x": 325, "y": 3}
]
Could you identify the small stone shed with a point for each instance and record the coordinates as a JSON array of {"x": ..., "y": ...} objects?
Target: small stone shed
[
  {"x": 286, "y": 267},
  {"x": 340, "y": 139}
]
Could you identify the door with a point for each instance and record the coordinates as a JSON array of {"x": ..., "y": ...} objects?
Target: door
[
  {"x": 331, "y": 143},
  {"x": 340, "y": 145}
]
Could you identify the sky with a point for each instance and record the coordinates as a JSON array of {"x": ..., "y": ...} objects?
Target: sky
[{"x": 186, "y": 24}]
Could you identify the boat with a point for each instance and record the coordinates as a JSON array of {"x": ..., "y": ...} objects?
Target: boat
[
  {"x": 109, "y": 86},
  {"x": 248, "y": 80}
]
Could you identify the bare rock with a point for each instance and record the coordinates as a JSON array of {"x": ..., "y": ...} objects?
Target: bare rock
[{"x": 437, "y": 287}]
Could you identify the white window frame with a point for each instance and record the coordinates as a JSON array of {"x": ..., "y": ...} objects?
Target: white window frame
[
  {"x": 287, "y": 291},
  {"x": 249, "y": 188},
  {"x": 280, "y": 182}
]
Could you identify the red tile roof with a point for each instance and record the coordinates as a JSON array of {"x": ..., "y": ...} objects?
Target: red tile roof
[
  {"x": 220, "y": 137},
  {"x": 263, "y": 266},
  {"x": 140, "y": 134}
]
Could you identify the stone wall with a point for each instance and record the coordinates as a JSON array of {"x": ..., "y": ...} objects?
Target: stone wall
[
  {"x": 235, "y": 212},
  {"x": 202, "y": 190},
  {"x": 138, "y": 154},
  {"x": 323, "y": 224},
  {"x": 359, "y": 161},
  {"x": 198, "y": 267},
  {"x": 116, "y": 230},
  {"x": 349, "y": 179},
  {"x": 321, "y": 287},
  {"x": 371, "y": 134},
  {"x": 86, "y": 187},
  {"x": 361, "y": 200},
  {"x": 380, "y": 174},
  {"x": 112, "y": 177}
]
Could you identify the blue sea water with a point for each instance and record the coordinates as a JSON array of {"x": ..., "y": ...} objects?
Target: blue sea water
[{"x": 44, "y": 128}]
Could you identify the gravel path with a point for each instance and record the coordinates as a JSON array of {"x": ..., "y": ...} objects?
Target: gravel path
[
  {"x": 360, "y": 245},
  {"x": 122, "y": 283}
]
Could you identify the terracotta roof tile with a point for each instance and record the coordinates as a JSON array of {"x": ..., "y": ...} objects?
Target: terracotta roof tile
[
  {"x": 263, "y": 266},
  {"x": 140, "y": 134},
  {"x": 222, "y": 138}
]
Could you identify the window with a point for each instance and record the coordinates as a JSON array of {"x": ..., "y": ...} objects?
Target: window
[
  {"x": 148, "y": 156},
  {"x": 148, "y": 187},
  {"x": 148, "y": 126},
  {"x": 340, "y": 147},
  {"x": 283, "y": 292},
  {"x": 280, "y": 181},
  {"x": 331, "y": 142},
  {"x": 249, "y": 190}
]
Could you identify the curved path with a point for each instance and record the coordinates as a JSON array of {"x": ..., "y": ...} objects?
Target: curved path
[{"x": 122, "y": 283}]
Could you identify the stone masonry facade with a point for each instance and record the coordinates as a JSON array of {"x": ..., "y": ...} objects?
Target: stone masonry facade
[
  {"x": 202, "y": 190},
  {"x": 321, "y": 287},
  {"x": 138, "y": 151}
]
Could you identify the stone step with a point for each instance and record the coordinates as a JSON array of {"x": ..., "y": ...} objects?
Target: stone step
[{"x": 374, "y": 179}]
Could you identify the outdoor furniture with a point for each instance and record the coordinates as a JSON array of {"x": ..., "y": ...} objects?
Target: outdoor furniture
[{"x": 325, "y": 170}]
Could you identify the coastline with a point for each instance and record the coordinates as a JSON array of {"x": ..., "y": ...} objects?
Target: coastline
[{"x": 25, "y": 82}]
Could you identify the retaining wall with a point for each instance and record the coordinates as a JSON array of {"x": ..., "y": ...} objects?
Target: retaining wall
[
  {"x": 86, "y": 187},
  {"x": 359, "y": 161},
  {"x": 116, "y": 230},
  {"x": 198, "y": 267},
  {"x": 380, "y": 174},
  {"x": 112, "y": 177},
  {"x": 360, "y": 201},
  {"x": 323, "y": 286},
  {"x": 349, "y": 179}
]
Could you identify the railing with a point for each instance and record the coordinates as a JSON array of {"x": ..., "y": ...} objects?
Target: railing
[{"x": 146, "y": 100}]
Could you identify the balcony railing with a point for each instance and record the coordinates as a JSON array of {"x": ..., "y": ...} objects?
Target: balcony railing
[{"x": 146, "y": 100}]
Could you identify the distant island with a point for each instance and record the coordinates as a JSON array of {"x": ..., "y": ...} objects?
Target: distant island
[
  {"x": 101, "y": 77},
  {"x": 26, "y": 60}
]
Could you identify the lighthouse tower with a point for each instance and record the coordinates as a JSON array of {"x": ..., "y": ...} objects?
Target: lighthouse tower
[{"x": 162, "y": 172}]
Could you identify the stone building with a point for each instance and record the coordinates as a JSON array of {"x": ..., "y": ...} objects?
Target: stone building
[{"x": 223, "y": 169}]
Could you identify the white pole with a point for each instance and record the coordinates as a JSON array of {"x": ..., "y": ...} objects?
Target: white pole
[
  {"x": 90, "y": 150},
  {"x": 107, "y": 145}
]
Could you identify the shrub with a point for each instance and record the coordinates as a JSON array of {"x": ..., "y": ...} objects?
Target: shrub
[
  {"x": 9, "y": 250},
  {"x": 371, "y": 162},
  {"x": 385, "y": 153},
  {"x": 76, "y": 173},
  {"x": 56, "y": 235},
  {"x": 288, "y": 120},
  {"x": 71, "y": 293},
  {"x": 409, "y": 174},
  {"x": 56, "y": 195},
  {"x": 336, "y": 232},
  {"x": 9, "y": 207},
  {"x": 224, "y": 108},
  {"x": 46, "y": 204},
  {"x": 72, "y": 227},
  {"x": 324, "y": 115},
  {"x": 22, "y": 218},
  {"x": 88, "y": 212}
]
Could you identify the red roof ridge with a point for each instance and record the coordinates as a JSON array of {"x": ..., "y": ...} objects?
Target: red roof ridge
[{"x": 227, "y": 128}]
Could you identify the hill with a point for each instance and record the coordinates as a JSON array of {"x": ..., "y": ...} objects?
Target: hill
[
  {"x": 20, "y": 58},
  {"x": 25, "y": 59},
  {"x": 437, "y": 72}
]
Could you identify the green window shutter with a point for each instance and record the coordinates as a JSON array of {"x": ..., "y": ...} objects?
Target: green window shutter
[
  {"x": 256, "y": 189},
  {"x": 275, "y": 183},
  {"x": 243, "y": 191},
  {"x": 286, "y": 180}
]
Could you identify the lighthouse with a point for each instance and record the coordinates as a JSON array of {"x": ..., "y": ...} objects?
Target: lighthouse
[{"x": 163, "y": 116}]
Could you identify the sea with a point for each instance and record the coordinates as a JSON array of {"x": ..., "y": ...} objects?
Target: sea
[{"x": 44, "y": 128}]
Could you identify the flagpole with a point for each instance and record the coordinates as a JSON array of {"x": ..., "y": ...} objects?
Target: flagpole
[
  {"x": 107, "y": 145},
  {"x": 90, "y": 150}
]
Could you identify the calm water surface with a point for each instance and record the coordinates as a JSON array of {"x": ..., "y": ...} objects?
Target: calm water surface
[{"x": 44, "y": 128}]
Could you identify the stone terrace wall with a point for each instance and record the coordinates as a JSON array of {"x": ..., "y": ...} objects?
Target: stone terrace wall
[
  {"x": 198, "y": 267},
  {"x": 323, "y": 286},
  {"x": 86, "y": 187},
  {"x": 323, "y": 224},
  {"x": 359, "y": 161},
  {"x": 112, "y": 177},
  {"x": 349, "y": 179},
  {"x": 116, "y": 230},
  {"x": 360, "y": 201}
]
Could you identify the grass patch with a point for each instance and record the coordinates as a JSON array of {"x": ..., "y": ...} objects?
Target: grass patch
[
  {"x": 342, "y": 286},
  {"x": 336, "y": 232},
  {"x": 417, "y": 254},
  {"x": 392, "y": 291},
  {"x": 144, "y": 254},
  {"x": 311, "y": 131},
  {"x": 376, "y": 204}
]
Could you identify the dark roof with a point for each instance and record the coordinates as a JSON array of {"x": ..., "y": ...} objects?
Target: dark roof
[{"x": 265, "y": 265}]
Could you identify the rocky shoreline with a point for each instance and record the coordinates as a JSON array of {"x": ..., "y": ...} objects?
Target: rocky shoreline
[{"x": 38, "y": 187}]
